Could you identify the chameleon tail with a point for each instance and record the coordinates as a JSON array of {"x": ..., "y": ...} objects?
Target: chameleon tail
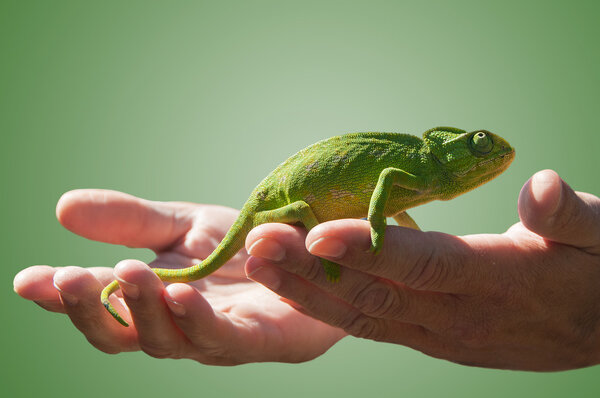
[
  {"x": 108, "y": 290},
  {"x": 229, "y": 246}
]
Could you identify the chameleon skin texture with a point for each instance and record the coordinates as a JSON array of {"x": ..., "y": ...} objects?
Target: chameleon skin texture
[{"x": 374, "y": 175}]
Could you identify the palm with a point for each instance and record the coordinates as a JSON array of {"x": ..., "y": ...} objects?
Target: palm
[{"x": 229, "y": 319}]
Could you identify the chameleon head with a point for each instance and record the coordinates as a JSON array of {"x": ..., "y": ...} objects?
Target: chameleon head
[{"x": 469, "y": 158}]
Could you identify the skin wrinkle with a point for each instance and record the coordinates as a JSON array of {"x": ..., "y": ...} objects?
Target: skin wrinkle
[
  {"x": 367, "y": 299},
  {"x": 422, "y": 266}
]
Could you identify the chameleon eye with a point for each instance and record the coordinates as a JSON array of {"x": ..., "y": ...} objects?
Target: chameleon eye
[{"x": 482, "y": 142}]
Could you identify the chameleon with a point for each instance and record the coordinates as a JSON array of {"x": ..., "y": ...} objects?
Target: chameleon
[{"x": 373, "y": 174}]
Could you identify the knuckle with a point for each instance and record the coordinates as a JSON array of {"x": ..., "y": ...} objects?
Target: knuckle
[
  {"x": 428, "y": 270},
  {"x": 143, "y": 309},
  {"x": 567, "y": 217},
  {"x": 362, "y": 326},
  {"x": 374, "y": 264},
  {"x": 435, "y": 265},
  {"x": 379, "y": 299},
  {"x": 311, "y": 270},
  {"x": 297, "y": 291}
]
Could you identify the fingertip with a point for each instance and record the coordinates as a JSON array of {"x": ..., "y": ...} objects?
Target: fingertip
[
  {"x": 327, "y": 246},
  {"x": 35, "y": 282},
  {"x": 263, "y": 272},
  {"x": 546, "y": 187},
  {"x": 132, "y": 271},
  {"x": 183, "y": 299},
  {"x": 269, "y": 229},
  {"x": 253, "y": 264},
  {"x": 68, "y": 274},
  {"x": 254, "y": 235},
  {"x": 69, "y": 279},
  {"x": 175, "y": 296},
  {"x": 268, "y": 248},
  {"x": 347, "y": 230},
  {"x": 74, "y": 283},
  {"x": 540, "y": 199},
  {"x": 179, "y": 291},
  {"x": 65, "y": 208}
]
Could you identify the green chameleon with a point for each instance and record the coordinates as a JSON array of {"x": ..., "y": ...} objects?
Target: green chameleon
[{"x": 377, "y": 175}]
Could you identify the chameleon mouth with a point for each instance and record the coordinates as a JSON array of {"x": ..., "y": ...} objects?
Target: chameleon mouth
[{"x": 502, "y": 160}]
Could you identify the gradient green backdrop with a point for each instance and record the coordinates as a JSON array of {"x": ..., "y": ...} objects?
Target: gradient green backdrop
[{"x": 197, "y": 101}]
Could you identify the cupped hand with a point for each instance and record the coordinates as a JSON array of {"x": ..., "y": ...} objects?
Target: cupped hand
[
  {"x": 222, "y": 319},
  {"x": 526, "y": 299}
]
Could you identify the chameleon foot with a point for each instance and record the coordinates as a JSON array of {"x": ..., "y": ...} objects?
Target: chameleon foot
[{"x": 332, "y": 270}]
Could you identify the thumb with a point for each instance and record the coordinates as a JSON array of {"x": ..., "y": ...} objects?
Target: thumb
[{"x": 551, "y": 209}]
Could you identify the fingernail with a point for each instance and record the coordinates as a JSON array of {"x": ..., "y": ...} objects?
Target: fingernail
[
  {"x": 129, "y": 290},
  {"x": 175, "y": 307},
  {"x": 266, "y": 277},
  {"x": 328, "y": 247},
  {"x": 268, "y": 249},
  {"x": 67, "y": 298}
]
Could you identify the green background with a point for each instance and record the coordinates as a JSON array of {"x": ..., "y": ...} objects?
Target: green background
[{"x": 197, "y": 101}]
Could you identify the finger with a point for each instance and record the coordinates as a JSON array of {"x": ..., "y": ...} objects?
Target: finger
[
  {"x": 116, "y": 217},
  {"x": 211, "y": 334},
  {"x": 36, "y": 284},
  {"x": 370, "y": 294},
  {"x": 329, "y": 309},
  {"x": 430, "y": 261},
  {"x": 143, "y": 293},
  {"x": 79, "y": 291},
  {"x": 550, "y": 208}
]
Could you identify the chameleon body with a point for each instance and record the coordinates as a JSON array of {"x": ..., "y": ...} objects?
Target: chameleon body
[{"x": 373, "y": 175}]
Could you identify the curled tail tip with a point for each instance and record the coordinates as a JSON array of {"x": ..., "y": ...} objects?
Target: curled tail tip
[
  {"x": 114, "y": 312},
  {"x": 108, "y": 290}
]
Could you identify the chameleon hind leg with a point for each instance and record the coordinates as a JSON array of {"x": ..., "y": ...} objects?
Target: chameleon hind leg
[
  {"x": 404, "y": 220},
  {"x": 300, "y": 211}
]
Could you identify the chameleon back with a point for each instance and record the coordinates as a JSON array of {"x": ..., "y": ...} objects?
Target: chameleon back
[{"x": 337, "y": 176}]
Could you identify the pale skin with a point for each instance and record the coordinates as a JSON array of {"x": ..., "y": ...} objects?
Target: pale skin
[
  {"x": 525, "y": 299},
  {"x": 226, "y": 319}
]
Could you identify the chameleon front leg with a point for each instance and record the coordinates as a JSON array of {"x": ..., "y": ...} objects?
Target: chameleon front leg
[
  {"x": 387, "y": 179},
  {"x": 299, "y": 211}
]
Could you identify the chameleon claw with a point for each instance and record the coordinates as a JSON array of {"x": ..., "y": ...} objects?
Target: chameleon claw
[
  {"x": 375, "y": 249},
  {"x": 332, "y": 270}
]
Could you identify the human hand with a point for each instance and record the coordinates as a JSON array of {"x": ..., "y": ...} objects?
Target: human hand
[
  {"x": 526, "y": 299},
  {"x": 223, "y": 319}
]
